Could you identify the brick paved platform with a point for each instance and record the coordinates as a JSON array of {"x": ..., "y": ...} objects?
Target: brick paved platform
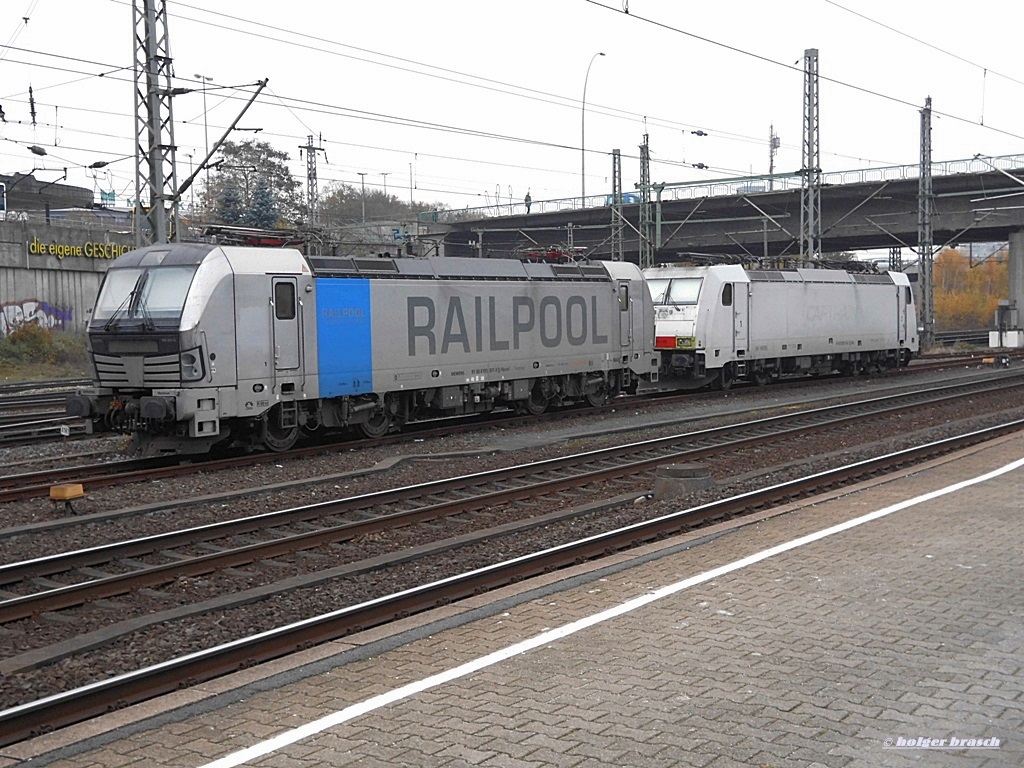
[{"x": 908, "y": 627}]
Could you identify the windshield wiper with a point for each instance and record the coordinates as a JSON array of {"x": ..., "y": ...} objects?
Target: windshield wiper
[
  {"x": 120, "y": 307},
  {"x": 140, "y": 307},
  {"x": 129, "y": 303}
]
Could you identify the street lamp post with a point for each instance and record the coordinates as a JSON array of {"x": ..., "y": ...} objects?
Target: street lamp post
[
  {"x": 362, "y": 184},
  {"x": 206, "y": 129},
  {"x": 583, "y": 136},
  {"x": 192, "y": 190}
]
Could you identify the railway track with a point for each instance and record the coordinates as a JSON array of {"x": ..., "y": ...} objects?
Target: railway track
[
  {"x": 46, "y": 421},
  {"x": 977, "y": 337},
  {"x": 325, "y": 524},
  {"x": 36, "y": 428},
  {"x": 81, "y": 703},
  {"x": 15, "y": 388},
  {"x": 9, "y": 418},
  {"x": 38, "y": 415},
  {"x": 446, "y": 497},
  {"x": 33, "y": 485}
]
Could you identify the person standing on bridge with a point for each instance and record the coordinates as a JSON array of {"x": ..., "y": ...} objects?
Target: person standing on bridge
[{"x": 528, "y": 200}]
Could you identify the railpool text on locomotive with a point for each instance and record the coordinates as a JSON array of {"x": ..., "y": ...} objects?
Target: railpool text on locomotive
[{"x": 552, "y": 318}]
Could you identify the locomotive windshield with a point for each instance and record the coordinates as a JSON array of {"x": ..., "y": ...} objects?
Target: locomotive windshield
[
  {"x": 676, "y": 290},
  {"x": 151, "y": 296}
]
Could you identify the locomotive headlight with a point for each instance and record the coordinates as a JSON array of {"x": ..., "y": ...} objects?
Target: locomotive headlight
[{"x": 191, "y": 365}]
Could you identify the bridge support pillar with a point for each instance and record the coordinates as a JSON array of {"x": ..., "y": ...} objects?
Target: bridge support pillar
[
  {"x": 1009, "y": 320},
  {"x": 1017, "y": 272}
]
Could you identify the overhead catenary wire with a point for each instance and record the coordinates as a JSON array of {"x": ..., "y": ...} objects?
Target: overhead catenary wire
[
  {"x": 329, "y": 109},
  {"x": 558, "y": 100},
  {"x": 940, "y": 49},
  {"x": 19, "y": 26},
  {"x": 408, "y": 65},
  {"x": 794, "y": 68}
]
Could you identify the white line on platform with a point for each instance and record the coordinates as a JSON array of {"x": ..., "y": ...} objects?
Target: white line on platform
[{"x": 264, "y": 748}]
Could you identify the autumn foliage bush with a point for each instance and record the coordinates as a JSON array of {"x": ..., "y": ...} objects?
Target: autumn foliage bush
[
  {"x": 32, "y": 351},
  {"x": 967, "y": 293}
]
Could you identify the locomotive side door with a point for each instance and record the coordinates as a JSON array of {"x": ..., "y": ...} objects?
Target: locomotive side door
[
  {"x": 741, "y": 319},
  {"x": 284, "y": 310},
  {"x": 902, "y": 300},
  {"x": 737, "y": 297},
  {"x": 625, "y": 315}
]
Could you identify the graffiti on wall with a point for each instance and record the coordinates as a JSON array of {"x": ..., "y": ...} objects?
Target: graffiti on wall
[{"x": 14, "y": 314}]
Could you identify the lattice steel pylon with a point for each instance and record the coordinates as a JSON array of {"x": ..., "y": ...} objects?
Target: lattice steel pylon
[
  {"x": 896, "y": 259},
  {"x": 925, "y": 209},
  {"x": 155, "y": 170},
  {"x": 773, "y": 148},
  {"x": 810, "y": 173},
  {"x": 312, "y": 196},
  {"x": 646, "y": 217},
  {"x": 618, "y": 222}
]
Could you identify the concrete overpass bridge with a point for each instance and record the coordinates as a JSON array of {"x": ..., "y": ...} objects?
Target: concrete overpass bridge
[{"x": 758, "y": 218}]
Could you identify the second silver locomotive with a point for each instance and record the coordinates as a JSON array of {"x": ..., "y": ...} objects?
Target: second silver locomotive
[{"x": 722, "y": 324}]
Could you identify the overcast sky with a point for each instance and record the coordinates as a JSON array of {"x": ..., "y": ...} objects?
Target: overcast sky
[{"x": 473, "y": 100}]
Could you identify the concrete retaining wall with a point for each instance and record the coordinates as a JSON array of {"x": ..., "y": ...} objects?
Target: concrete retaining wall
[{"x": 51, "y": 273}]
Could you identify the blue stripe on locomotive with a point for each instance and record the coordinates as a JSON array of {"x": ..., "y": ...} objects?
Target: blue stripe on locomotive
[{"x": 344, "y": 336}]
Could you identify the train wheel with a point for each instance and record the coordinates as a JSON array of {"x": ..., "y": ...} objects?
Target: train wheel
[
  {"x": 725, "y": 378},
  {"x": 598, "y": 397},
  {"x": 378, "y": 425},
  {"x": 277, "y": 437},
  {"x": 761, "y": 378},
  {"x": 535, "y": 404}
]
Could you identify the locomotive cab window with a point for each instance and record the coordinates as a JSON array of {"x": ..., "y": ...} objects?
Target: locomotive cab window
[
  {"x": 624, "y": 297},
  {"x": 727, "y": 295},
  {"x": 909, "y": 298},
  {"x": 150, "y": 296},
  {"x": 677, "y": 290},
  {"x": 284, "y": 301}
]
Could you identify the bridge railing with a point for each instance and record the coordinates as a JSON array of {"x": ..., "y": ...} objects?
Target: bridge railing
[
  {"x": 514, "y": 209},
  {"x": 727, "y": 187}
]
